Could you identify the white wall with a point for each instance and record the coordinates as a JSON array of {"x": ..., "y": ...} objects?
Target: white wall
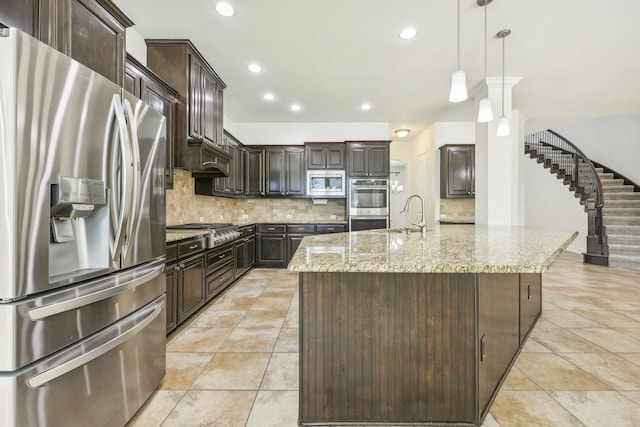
[
  {"x": 299, "y": 133},
  {"x": 613, "y": 141},
  {"x": 136, "y": 45},
  {"x": 550, "y": 205}
]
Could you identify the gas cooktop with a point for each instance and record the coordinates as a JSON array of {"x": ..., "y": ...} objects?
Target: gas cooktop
[{"x": 217, "y": 233}]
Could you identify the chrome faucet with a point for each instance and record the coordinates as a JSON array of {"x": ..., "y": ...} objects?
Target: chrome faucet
[{"x": 423, "y": 222}]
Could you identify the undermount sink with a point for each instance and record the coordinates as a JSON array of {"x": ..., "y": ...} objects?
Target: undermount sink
[{"x": 398, "y": 230}]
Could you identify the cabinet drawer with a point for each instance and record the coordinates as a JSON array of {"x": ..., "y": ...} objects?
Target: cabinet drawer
[
  {"x": 190, "y": 247},
  {"x": 247, "y": 231},
  {"x": 331, "y": 228},
  {"x": 219, "y": 280},
  {"x": 218, "y": 257},
  {"x": 172, "y": 252},
  {"x": 301, "y": 228},
  {"x": 272, "y": 228}
]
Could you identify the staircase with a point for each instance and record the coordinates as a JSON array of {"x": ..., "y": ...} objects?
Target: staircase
[
  {"x": 570, "y": 165},
  {"x": 621, "y": 216},
  {"x": 612, "y": 204}
]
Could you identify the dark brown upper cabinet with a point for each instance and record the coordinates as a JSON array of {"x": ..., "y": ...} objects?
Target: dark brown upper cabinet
[
  {"x": 368, "y": 159},
  {"x": 21, "y": 14},
  {"x": 149, "y": 87},
  {"x": 284, "y": 171},
  {"x": 200, "y": 146},
  {"x": 322, "y": 155},
  {"x": 457, "y": 171},
  {"x": 90, "y": 31},
  {"x": 254, "y": 171}
]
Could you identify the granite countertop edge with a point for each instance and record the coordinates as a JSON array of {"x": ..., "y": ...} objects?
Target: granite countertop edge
[{"x": 539, "y": 261}]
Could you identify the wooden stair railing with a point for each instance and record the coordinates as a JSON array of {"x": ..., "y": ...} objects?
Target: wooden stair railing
[{"x": 574, "y": 168}]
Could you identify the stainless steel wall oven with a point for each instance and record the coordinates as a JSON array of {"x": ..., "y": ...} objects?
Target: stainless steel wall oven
[{"x": 368, "y": 204}]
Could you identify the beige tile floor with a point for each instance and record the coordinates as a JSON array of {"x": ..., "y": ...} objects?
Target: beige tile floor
[{"x": 235, "y": 363}]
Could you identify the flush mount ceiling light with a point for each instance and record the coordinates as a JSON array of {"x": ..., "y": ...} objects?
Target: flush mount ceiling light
[
  {"x": 295, "y": 107},
  {"x": 365, "y": 106},
  {"x": 269, "y": 96},
  {"x": 408, "y": 33},
  {"x": 503, "y": 123},
  {"x": 485, "y": 114},
  {"x": 225, "y": 9},
  {"x": 254, "y": 68},
  {"x": 458, "y": 91},
  {"x": 401, "y": 133}
]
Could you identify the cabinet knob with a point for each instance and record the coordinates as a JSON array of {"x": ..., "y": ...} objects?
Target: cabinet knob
[
  {"x": 222, "y": 256},
  {"x": 468, "y": 192},
  {"x": 181, "y": 266}
]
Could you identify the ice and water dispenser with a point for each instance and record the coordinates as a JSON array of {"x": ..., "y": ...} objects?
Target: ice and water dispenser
[{"x": 77, "y": 226}]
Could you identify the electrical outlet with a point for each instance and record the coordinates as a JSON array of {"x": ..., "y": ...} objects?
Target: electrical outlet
[
  {"x": 333, "y": 217},
  {"x": 221, "y": 217},
  {"x": 201, "y": 219},
  {"x": 443, "y": 216},
  {"x": 245, "y": 216},
  {"x": 289, "y": 216}
]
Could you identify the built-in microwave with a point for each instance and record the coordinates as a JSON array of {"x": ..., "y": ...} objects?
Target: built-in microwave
[{"x": 325, "y": 183}]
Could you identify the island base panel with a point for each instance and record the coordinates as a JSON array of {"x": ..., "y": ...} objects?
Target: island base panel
[{"x": 388, "y": 348}]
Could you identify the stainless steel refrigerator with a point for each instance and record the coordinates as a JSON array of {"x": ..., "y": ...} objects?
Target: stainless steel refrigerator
[{"x": 82, "y": 242}]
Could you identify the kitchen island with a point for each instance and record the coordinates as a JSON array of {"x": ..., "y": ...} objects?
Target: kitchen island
[{"x": 411, "y": 328}]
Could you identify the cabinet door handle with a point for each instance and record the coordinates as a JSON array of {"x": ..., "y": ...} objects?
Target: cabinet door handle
[
  {"x": 222, "y": 256},
  {"x": 271, "y": 229},
  {"x": 181, "y": 266},
  {"x": 529, "y": 292},
  {"x": 483, "y": 344},
  {"x": 194, "y": 246}
]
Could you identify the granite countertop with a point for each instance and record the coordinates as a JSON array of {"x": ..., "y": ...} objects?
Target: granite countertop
[
  {"x": 175, "y": 235},
  {"x": 447, "y": 249}
]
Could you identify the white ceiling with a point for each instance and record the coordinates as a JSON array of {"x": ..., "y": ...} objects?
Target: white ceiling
[{"x": 577, "y": 58}]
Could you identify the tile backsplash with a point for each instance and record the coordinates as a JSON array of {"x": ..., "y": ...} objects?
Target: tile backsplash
[
  {"x": 183, "y": 206},
  {"x": 458, "y": 208}
]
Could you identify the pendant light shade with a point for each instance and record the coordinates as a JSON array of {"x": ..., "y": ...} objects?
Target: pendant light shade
[
  {"x": 458, "y": 91},
  {"x": 503, "y": 123},
  {"x": 503, "y": 127},
  {"x": 485, "y": 113}
]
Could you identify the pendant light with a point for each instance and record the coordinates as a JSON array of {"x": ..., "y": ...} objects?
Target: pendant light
[
  {"x": 485, "y": 114},
  {"x": 458, "y": 91},
  {"x": 503, "y": 123}
]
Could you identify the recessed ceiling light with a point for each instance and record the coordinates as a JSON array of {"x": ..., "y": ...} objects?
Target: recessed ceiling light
[
  {"x": 225, "y": 9},
  {"x": 269, "y": 96},
  {"x": 295, "y": 107},
  {"x": 255, "y": 68},
  {"x": 366, "y": 106},
  {"x": 408, "y": 33}
]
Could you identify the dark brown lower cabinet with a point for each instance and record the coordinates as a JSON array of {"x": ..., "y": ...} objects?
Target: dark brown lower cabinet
[
  {"x": 413, "y": 348},
  {"x": 530, "y": 302},
  {"x": 191, "y": 290},
  {"x": 272, "y": 245},
  {"x": 172, "y": 290},
  {"x": 220, "y": 269}
]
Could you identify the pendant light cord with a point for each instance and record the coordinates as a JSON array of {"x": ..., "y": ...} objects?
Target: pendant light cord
[
  {"x": 503, "y": 76},
  {"x": 486, "y": 87},
  {"x": 459, "y": 35}
]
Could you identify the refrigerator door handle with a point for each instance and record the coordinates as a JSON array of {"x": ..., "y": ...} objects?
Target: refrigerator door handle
[
  {"x": 60, "y": 307},
  {"x": 135, "y": 164},
  {"x": 119, "y": 163},
  {"x": 49, "y": 375}
]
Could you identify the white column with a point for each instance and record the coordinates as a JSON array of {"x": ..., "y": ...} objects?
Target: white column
[{"x": 499, "y": 169}]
